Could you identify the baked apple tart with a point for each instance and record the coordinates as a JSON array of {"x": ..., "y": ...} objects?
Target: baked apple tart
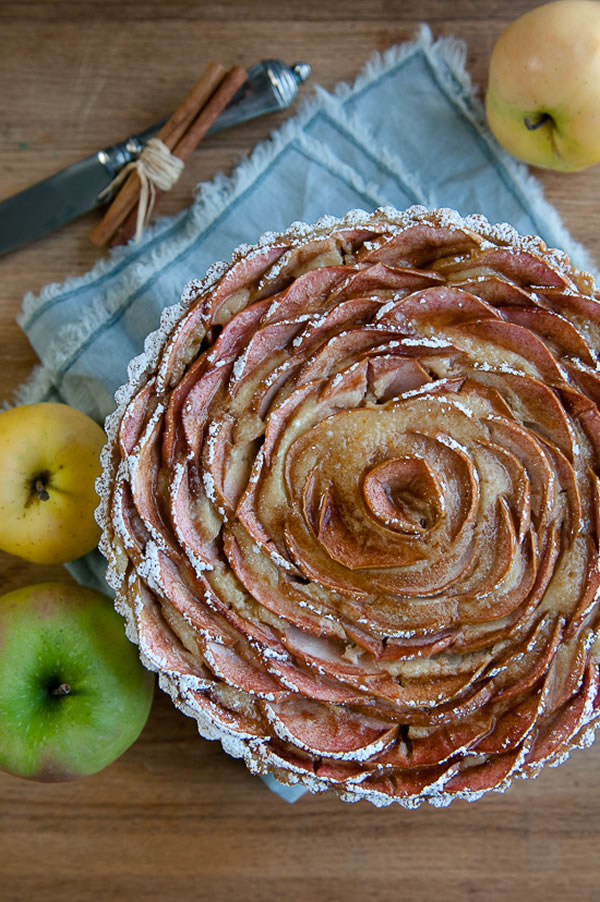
[{"x": 350, "y": 505}]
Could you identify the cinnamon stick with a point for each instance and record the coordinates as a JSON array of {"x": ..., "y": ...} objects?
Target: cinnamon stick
[
  {"x": 170, "y": 134},
  {"x": 184, "y": 148}
]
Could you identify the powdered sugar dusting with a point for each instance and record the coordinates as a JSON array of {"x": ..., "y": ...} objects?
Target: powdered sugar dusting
[{"x": 190, "y": 692}]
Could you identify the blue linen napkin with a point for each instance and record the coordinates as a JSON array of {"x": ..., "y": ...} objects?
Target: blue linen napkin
[{"x": 410, "y": 130}]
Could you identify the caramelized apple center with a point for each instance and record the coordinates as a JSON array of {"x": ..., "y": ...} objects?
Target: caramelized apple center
[{"x": 404, "y": 493}]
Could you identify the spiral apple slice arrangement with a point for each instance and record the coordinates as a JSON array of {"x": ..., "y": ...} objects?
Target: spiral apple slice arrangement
[{"x": 350, "y": 505}]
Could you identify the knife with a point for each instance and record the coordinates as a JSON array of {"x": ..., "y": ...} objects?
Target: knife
[{"x": 271, "y": 85}]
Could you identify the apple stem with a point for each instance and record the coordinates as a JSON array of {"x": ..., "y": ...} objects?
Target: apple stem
[
  {"x": 40, "y": 490},
  {"x": 63, "y": 689},
  {"x": 545, "y": 117}
]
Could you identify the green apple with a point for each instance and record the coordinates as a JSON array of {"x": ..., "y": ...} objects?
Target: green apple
[
  {"x": 49, "y": 460},
  {"x": 73, "y": 693},
  {"x": 543, "y": 96}
]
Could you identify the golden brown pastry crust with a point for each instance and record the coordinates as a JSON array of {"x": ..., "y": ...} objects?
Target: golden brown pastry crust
[{"x": 350, "y": 505}]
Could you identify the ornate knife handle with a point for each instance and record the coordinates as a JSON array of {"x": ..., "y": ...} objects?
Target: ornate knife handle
[{"x": 271, "y": 86}]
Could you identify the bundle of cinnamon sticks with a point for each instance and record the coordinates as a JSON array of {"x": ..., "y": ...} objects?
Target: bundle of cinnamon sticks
[{"x": 181, "y": 134}]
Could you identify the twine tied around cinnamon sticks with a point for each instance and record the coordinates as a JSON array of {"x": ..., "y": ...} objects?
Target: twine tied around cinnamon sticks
[
  {"x": 156, "y": 168},
  {"x": 160, "y": 164}
]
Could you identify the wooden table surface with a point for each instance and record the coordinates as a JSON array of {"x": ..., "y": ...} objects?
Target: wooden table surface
[{"x": 175, "y": 818}]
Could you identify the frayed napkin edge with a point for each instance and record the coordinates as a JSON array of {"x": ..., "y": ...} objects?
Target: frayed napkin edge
[{"x": 446, "y": 55}]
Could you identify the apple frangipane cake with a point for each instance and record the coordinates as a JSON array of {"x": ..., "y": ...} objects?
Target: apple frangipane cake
[{"x": 350, "y": 505}]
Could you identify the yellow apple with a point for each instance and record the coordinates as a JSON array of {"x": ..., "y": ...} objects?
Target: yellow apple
[
  {"x": 543, "y": 96},
  {"x": 49, "y": 461}
]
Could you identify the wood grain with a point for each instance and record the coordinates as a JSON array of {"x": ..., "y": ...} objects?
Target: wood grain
[{"x": 175, "y": 818}]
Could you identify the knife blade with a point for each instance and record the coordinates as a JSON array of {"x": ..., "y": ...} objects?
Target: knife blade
[{"x": 59, "y": 199}]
